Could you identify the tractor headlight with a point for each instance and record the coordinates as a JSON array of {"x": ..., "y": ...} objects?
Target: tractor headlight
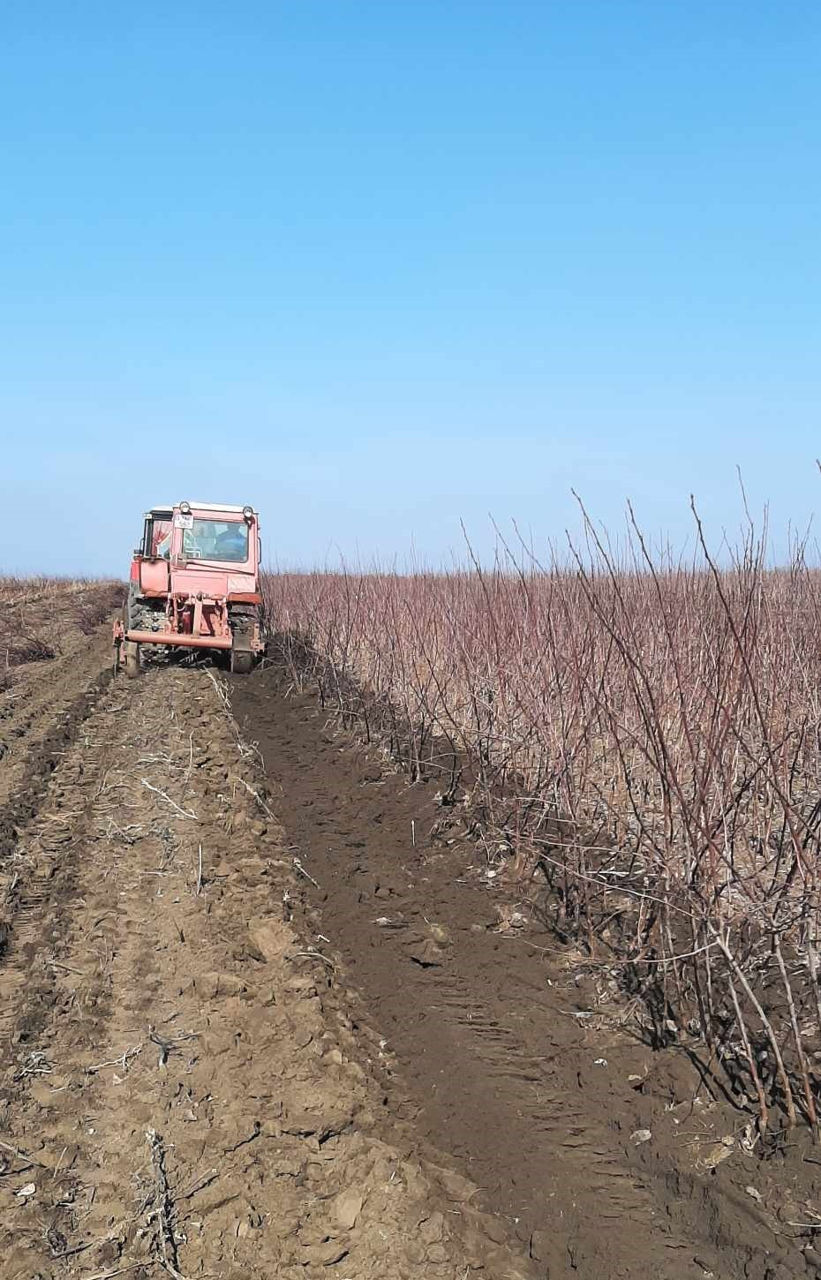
[
  {"x": 247, "y": 513},
  {"x": 185, "y": 508}
]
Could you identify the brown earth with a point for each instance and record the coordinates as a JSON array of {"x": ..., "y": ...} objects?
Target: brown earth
[
  {"x": 289, "y": 1026},
  {"x": 187, "y": 1086},
  {"x": 511, "y": 1052}
]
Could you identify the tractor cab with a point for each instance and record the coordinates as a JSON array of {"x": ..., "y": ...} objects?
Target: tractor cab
[{"x": 220, "y": 536}]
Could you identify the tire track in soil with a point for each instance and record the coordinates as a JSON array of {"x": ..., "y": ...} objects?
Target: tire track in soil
[
  {"x": 57, "y": 700},
  {"x": 40, "y": 717},
  {"x": 183, "y": 1085},
  {"x": 506, "y": 1056}
]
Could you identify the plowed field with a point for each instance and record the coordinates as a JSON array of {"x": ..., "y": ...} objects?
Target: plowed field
[{"x": 262, "y": 1015}]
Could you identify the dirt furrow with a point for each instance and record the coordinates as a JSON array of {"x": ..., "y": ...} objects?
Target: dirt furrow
[
  {"x": 40, "y": 714},
  {"x": 609, "y": 1159},
  {"x": 184, "y": 1086}
]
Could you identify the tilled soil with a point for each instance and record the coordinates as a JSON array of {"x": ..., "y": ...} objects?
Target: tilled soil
[
  {"x": 38, "y": 715},
  {"x": 187, "y": 1086},
  {"x": 511, "y": 1052},
  {"x": 279, "y": 1023}
]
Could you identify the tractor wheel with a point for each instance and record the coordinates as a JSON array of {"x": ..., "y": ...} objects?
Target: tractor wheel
[
  {"x": 242, "y": 630},
  {"x": 131, "y": 658},
  {"x": 126, "y": 614},
  {"x": 242, "y": 661}
]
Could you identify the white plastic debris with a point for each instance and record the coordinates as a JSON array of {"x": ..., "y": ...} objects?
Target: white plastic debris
[
  {"x": 640, "y": 1135},
  {"x": 26, "y": 1191},
  {"x": 751, "y": 1191}
]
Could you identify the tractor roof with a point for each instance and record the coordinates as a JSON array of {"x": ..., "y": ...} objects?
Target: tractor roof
[{"x": 202, "y": 506}]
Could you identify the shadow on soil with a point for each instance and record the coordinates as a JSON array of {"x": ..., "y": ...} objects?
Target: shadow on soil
[{"x": 502, "y": 1045}]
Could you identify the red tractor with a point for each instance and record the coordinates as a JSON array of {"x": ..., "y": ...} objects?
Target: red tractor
[{"x": 194, "y": 584}]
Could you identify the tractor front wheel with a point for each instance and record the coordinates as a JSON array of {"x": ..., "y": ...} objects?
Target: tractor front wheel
[
  {"x": 131, "y": 658},
  {"x": 243, "y": 618},
  {"x": 242, "y": 662}
]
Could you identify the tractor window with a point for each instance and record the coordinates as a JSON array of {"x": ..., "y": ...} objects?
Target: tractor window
[
  {"x": 216, "y": 540},
  {"x": 157, "y": 537},
  {"x": 161, "y": 538}
]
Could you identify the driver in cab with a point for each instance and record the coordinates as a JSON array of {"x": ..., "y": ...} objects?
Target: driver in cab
[{"x": 232, "y": 544}]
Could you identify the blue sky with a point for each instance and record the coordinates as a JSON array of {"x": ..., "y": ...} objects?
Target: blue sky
[{"x": 379, "y": 266}]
